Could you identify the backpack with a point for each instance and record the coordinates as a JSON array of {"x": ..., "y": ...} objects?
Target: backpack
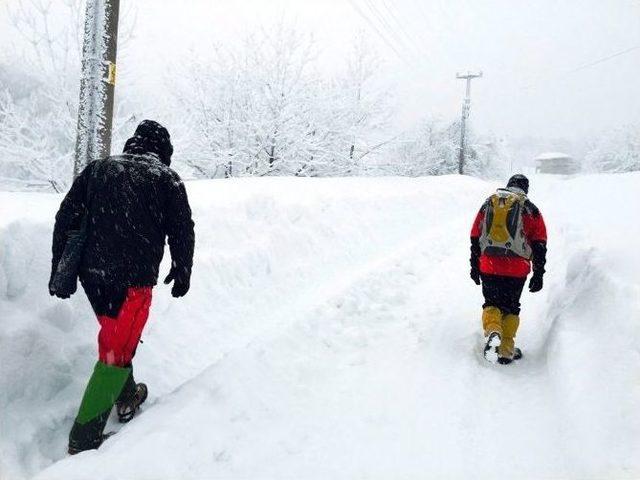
[{"x": 502, "y": 229}]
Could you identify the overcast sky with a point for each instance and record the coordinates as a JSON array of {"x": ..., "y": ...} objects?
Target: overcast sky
[{"x": 533, "y": 53}]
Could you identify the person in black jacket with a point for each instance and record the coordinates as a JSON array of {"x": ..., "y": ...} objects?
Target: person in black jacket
[{"x": 132, "y": 202}]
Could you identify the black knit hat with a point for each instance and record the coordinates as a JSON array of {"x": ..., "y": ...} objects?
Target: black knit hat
[
  {"x": 150, "y": 137},
  {"x": 519, "y": 181}
]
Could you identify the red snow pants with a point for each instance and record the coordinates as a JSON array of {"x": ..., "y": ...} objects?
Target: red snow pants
[{"x": 119, "y": 337}]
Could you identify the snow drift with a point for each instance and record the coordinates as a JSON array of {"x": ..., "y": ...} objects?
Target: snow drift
[{"x": 332, "y": 332}]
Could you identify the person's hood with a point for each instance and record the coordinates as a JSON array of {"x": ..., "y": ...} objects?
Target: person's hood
[{"x": 150, "y": 138}]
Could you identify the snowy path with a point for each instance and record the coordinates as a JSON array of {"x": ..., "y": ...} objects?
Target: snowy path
[{"x": 366, "y": 363}]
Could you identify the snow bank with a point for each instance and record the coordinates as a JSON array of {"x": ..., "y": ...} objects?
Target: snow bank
[
  {"x": 332, "y": 332},
  {"x": 43, "y": 343}
]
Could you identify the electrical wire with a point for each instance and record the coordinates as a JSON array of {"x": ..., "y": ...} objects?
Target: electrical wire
[
  {"x": 360, "y": 12},
  {"x": 604, "y": 59},
  {"x": 557, "y": 75},
  {"x": 401, "y": 26},
  {"x": 417, "y": 43},
  {"x": 385, "y": 24}
]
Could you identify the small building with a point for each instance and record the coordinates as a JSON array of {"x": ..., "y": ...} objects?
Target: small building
[{"x": 557, "y": 163}]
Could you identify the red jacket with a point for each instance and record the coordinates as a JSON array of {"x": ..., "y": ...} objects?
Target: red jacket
[{"x": 535, "y": 232}]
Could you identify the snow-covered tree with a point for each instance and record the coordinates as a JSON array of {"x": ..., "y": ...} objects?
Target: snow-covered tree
[
  {"x": 249, "y": 105},
  {"x": 359, "y": 107},
  {"x": 616, "y": 151},
  {"x": 39, "y": 88},
  {"x": 488, "y": 157},
  {"x": 433, "y": 149},
  {"x": 263, "y": 108},
  {"x": 429, "y": 149},
  {"x": 37, "y": 112},
  {"x": 33, "y": 146}
]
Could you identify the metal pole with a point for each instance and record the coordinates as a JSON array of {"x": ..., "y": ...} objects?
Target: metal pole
[
  {"x": 97, "y": 85},
  {"x": 466, "y": 106}
]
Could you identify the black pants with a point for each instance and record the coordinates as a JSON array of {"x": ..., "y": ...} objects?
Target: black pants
[
  {"x": 502, "y": 292},
  {"x": 105, "y": 299}
]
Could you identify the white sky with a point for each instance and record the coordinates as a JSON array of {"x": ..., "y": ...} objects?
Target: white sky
[{"x": 526, "y": 49}]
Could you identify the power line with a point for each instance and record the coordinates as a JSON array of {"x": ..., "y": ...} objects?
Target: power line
[
  {"x": 423, "y": 38},
  {"x": 604, "y": 59},
  {"x": 394, "y": 24},
  {"x": 399, "y": 44},
  {"x": 423, "y": 12},
  {"x": 401, "y": 26},
  {"x": 418, "y": 38},
  {"x": 385, "y": 23},
  {"x": 375, "y": 28},
  {"x": 559, "y": 74}
]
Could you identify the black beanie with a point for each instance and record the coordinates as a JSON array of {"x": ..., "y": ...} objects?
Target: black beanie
[
  {"x": 150, "y": 137},
  {"x": 519, "y": 181}
]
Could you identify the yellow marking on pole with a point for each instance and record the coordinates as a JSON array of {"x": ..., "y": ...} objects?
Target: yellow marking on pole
[{"x": 111, "y": 73}]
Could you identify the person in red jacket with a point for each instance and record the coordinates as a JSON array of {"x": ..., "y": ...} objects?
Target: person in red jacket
[{"x": 508, "y": 237}]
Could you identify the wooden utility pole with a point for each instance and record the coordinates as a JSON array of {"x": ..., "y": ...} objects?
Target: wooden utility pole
[
  {"x": 97, "y": 85},
  {"x": 466, "y": 106}
]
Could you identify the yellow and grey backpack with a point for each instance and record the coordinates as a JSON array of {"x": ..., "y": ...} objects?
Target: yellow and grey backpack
[{"x": 502, "y": 229}]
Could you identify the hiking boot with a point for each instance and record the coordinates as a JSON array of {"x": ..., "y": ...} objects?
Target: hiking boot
[
  {"x": 517, "y": 355},
  {"x": 127, "y": 409},
  {"x": 75, "y": 450},
  {"x": 491, "y": 347}
]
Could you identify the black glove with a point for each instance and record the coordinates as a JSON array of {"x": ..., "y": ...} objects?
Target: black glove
[
  {"x": 535, "y": 284},
  {"x": 181, "y": 283},
  {"x": 475, "y": 275},
  {"x": 55, "y": 292}
]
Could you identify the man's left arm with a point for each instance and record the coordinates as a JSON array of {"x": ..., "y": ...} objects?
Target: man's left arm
[
  {"x": 181, "y": 236},
  {"x": 535, "y": 231}
]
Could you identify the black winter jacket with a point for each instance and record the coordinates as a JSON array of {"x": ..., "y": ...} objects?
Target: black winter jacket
[{"x": 134, "y": 203}]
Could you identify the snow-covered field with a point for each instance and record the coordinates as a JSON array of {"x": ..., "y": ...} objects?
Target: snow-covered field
[{"x": 332, "y": 331}]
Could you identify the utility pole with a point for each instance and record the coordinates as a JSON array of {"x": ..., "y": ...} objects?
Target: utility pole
[
  {"x": 97, "y": 85},
  {"x": 466, "y": 106}
]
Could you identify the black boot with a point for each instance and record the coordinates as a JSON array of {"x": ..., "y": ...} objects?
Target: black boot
[
  {"x": 74, "y": 449},
  {"x": 127, "y": 407},
  {"x": 517, "y": 355}
]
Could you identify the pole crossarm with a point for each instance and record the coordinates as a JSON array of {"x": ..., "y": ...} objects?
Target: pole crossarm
[{"x": 469, "y": 75}]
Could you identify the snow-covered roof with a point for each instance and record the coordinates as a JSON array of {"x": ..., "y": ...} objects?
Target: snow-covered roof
[{"x": 552, "y": 156}]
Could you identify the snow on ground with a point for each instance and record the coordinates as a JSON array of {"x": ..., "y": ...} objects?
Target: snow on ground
[{"x": 332, "y": 332}]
